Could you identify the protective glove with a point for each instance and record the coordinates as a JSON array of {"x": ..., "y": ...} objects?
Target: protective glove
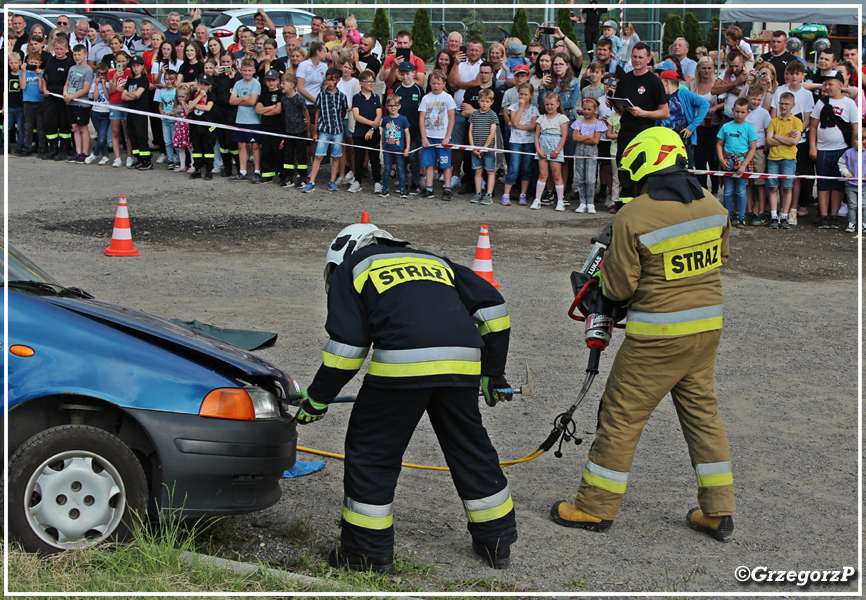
[
  {"x": 491, "y": 386},
  {"x": 310, "y": 410}
]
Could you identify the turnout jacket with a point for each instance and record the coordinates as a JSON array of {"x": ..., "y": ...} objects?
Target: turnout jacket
[
  {"x": 665, "y": 257},
  {"x": 431, "y": 322}
]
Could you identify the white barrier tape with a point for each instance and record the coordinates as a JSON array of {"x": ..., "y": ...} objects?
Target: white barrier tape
[
  {"x": 765, "y": 175},
  {"x": 223, "y": 125}
]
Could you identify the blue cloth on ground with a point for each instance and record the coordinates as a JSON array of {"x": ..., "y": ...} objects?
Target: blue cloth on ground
[{"x": 303, "y": 468}]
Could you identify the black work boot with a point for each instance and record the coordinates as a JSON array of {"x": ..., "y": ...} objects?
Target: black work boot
[
  {"x": 719, "y": 528},
  {"x": 227, "y": 164},
  {"x": 208, "y": 174},
  {"x": 51, "y": 151},
  {"x": 498, "y": 557},
  {"x": 339, "y": 558},
  {"x": 195, "y": 174}
]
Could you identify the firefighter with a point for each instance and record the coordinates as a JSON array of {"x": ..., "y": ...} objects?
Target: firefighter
[
  {"x": 664, "y": 259},
  {"x": 438, "y": 329}
]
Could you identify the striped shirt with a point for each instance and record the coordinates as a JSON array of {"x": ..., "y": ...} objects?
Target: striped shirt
[
  {"x": 332, "y": 107},
  {"x": 481, "y": 123}
]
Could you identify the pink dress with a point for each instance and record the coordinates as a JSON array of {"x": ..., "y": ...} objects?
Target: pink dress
[{"x": 181, "y": 131}]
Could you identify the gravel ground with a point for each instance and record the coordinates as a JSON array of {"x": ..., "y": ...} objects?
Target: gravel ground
[{"x": 251, "y": 257}]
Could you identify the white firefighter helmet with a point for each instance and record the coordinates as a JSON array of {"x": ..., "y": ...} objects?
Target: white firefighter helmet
[{"x": 349, "y": 240}]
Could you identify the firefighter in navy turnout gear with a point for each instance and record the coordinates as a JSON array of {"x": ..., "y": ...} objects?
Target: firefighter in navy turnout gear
[
  {"x": 667, "y": 246},
  {"x": 438, "y": 330}
]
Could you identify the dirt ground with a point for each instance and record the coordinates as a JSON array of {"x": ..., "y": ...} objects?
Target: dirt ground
[{"x": 251, "y": 257}]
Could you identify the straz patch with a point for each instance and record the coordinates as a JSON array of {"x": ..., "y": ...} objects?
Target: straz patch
[
  {"x": 386, "y": 277},
  {"x": 694, "y": 260}
]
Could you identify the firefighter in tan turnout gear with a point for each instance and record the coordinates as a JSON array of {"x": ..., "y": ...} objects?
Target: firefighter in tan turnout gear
[
  {"x": 667, "y": 246},
  {"x": 438, "y": 330}
]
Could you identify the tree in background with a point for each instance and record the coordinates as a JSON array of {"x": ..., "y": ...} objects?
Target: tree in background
[
  {"x": 381, "y": 28},
  {"x": 692, "y": 33},
  {"x": 673, "y": 30},
  {"x": 422, "y": 34},
  {"x": 712, "y": 42},
  {"x": 520, "y": 29},
  {"x": 565, "y": 24},
  {"x": 474, "y": 28}
]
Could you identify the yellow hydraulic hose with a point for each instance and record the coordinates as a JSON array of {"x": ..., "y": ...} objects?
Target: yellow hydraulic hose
[{"x": 506, "y": 463}]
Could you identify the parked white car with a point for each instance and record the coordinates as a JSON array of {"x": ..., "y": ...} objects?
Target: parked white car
[{"x": 225, "y": 25}]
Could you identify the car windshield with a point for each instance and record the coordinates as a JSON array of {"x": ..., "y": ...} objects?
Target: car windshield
[
  {"x": 221, "y": 20},
  {"x": 21, "y": 269}
]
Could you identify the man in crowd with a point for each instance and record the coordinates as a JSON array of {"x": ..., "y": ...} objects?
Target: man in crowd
[
  {"x": 62, "y": 23},
  {"x": 366, "y": 59},
  {"x": 263, "y": 24},
  {"x": 731, "y": 82},
  {"x": 825, "y": 63},
  {"x": 339, "y": 34},
  {"x": 778, "y": 56},
  {"x": 466, "y": 77},
  {"x": 79, "y": 35},
  {"x": 19, "y": 25},
  {"x": 291, "y": 39},
  {"x": 202, "y": 33},
  {"x": 131, "y": 40},
  {"x": 647, "y": 94},
  {"x": 392, "y": 62},
  {"x": 100, "y": 49},
  {"x": 680, "y": 49},
  {"x": 173, "y": 23},
  {"x": 317, "y": 33}
]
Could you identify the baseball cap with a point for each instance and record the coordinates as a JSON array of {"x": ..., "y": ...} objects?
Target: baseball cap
[
  {"x": 272, "y": 74},
  {"x": 136, "y": 59},
  {"x": 665, "y": 65},
  {"x": 406, "y": 65},
  {"x": 516, "y": 48},
  {"x": 205, "y": 78},
  {"x": 670, "y": 74},
  {"x": 610, "y": 24},
  {"x": 834, "y": 75},
  {"x": 520, "y": 69}
]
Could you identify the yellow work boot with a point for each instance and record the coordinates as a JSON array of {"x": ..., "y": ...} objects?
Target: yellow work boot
[
  {"x": 570, "y": 516},
  {"x": 720, "y": 528}
]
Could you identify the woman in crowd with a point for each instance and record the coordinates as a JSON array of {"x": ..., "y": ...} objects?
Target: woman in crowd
[
  {"x": 295, "y": 58},
  {"x": 501, "y": 76},
  {"x": 629, "y": 39},
  {"x": 443, "y": 61},
  {"x": 567, "y": 86},
  {"x": 214, "y": 49},
  {"x": 542, "y": 73},
  {"x": 765, "y": 74},
  {"x": 706, "y": 158},
  {"x": 191, "y": 68}
]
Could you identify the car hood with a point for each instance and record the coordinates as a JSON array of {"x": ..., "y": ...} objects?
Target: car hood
[{"x": 203, "y": 348}]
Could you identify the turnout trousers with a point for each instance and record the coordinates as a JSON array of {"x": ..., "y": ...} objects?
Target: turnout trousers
[
  {"x": 644, "y": 371},
  {"x": 57, "y": 127},
  {"x": 203, "y": 138},
  {"x": 380, "y": 428}
]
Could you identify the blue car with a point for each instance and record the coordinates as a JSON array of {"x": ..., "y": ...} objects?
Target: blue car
[{"x": 115, "y": 413}]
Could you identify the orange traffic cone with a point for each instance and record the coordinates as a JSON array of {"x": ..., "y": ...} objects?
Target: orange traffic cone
[
  {"x": 483, "y": 264},
  {"x": 365, "y": 217},
  {"x": 121, "y": 237}
]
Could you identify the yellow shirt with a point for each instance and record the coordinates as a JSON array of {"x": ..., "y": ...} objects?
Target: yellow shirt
[{"x": 784, "y": 127}]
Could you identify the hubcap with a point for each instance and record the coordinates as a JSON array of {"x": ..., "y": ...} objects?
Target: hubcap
[{"x": 74, "y": 499}]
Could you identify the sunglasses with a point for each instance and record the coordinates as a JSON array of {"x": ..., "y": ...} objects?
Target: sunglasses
[
  {"x": 60, "y": 24},
  {"x": 534, "y": 53}
]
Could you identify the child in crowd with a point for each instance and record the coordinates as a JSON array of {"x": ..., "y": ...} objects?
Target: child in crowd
[
  {"x": 608, "y": 32},
  {"x": 349, "y": 86},
  {"x": 515, "y": 55},
  {"x": 15, "y": 102},
  {"x": 270, "y": 109},
  {"x": 736, "y": 146},
  {"x": 295, "y": 115},
  {"x": 32, "y": 88},
  {"x": 482, "y": 132},
  {"x": 165, "y": 102},
  {"x": 804, "y": 102},
  {"x": 700, "y": 52},
  {"x": 595, "y": 89},
  {"x": 551, "y": 130},
  {"x": 410, "y": 94},
  {"x": 331, "y": 108},
  {"x": 607, "y": 171},
  {"x": 367, "y": 111},
  {"x": 134, "y": 96},
  {"x": 117, "y": 79},
  {"x": 759, "y": 118},
  {"x": 520, "y": 118},
  {"x": 180, "y": 140},
  {"x": 79, "y": 78},
  {"x": 245, "y": 95},
  {"x": 587, "y": 134},
  {"x": 851, "y": 165},
  {"x": 395, "y": 145},
  {"x": 436, "y": 122},
  {"x": 99, "y": 93},
  {"x": 783, "y": 135},
  {"x": 734, "y": 39},
  {"x": 203, "y": 137}
]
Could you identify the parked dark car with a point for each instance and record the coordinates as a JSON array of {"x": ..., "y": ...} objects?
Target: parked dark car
[{"x": 114, "y": 411}]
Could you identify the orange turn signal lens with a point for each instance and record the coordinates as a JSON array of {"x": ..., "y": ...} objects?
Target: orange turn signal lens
[
  {"x": 19, "y": 350},
  {"x": 228, "y": 403}
]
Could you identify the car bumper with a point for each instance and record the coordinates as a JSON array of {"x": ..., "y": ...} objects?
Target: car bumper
[{"x": 210, "y": 467}]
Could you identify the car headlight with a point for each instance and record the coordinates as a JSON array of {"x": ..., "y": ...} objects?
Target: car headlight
[{"x": 265, "y": 404}]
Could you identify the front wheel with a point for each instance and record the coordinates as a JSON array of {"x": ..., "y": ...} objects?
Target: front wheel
[{"x": 73, "y": 486}]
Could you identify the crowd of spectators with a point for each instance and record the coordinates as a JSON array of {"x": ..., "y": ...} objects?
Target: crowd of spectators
[{"x": 342, "y": 98}]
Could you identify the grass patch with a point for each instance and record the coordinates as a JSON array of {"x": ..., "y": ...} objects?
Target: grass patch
[{"x": 674, "y": 583}]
